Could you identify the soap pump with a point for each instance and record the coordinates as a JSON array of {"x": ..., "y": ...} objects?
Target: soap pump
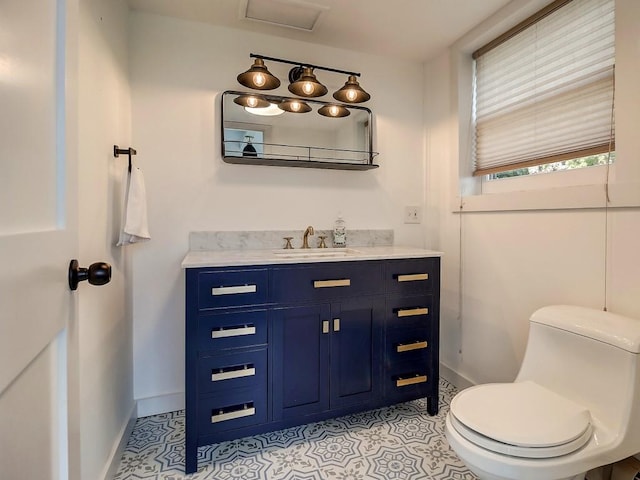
[{"x": 340, "y": 233}]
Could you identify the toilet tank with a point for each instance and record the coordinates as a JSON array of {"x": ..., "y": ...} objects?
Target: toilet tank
[{"x": 589, "y": 356}]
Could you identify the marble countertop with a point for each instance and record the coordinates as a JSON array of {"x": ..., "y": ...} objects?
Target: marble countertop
[{"x": 229, "y": 258}]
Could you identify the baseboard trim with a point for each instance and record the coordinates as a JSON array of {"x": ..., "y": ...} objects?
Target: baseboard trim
[
  {"x": 169, "y": 402},
  {"x": 450, "y": 375},
  {"x": 119, "y": 447}
]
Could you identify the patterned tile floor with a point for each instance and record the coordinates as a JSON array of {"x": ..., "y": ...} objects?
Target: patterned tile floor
[{"x": 401, "y": 442}]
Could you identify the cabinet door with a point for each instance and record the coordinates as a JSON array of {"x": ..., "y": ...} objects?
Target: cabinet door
[
  {"x": 356, "y": 333},
  {"x": 300, "y": 360}
]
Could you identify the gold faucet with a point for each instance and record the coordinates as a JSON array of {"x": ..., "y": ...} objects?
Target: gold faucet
[{"x": 305, "y": 240}]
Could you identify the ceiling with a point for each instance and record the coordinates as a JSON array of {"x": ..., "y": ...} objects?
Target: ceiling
[{"x": 409, "y": 29}]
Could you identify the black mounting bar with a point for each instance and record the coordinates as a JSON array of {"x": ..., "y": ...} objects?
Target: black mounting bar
[
  {"x": 117, "y": 151},
  {"x": 302, "y": 64}
]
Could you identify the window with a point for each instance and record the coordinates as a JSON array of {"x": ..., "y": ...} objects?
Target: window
[{"x": 543, "y": 92}]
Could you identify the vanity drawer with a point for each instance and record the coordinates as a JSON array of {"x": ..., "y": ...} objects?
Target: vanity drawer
[
  {"x": 407, "y": 346},
  {"x": 407, "y": 381},
  {"x": 232, "y": 288},
  {"x": 408, "y": 312},
  {"x": 235, "y": 409},
  {"x": 232, "y": 330},
  {"x": 235, "y": 370},
  {"x": 412, "y": 276},
  {"x": 325, "y": 281}
]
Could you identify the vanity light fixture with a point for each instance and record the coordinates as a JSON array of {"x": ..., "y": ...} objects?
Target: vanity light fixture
[
  {"x": 351, "y": 92},
  {"x": 302, "y": 80},
  {"x": 333, "y": 110},
  {"x": 304, "y": 83},
  {"x": 258, "y": 77},
  {"x": 252, "y": 101},
  {"x": 294, "y": 106}
]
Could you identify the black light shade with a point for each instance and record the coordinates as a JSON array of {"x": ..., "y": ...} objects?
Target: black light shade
[
  {"x": 334, "y": 111},
  {"x": 294, "y": 106},
  {"x": 306, "y": 85},
  {"x": 252, "y": 101},
  {"x": 249, "y": 150},
  {"x": 351, "y": 92},
  {"x": 258, "y": 77}
]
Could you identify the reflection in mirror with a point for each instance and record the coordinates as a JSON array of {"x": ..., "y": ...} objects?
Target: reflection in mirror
[{"x": 298, "y": 136}]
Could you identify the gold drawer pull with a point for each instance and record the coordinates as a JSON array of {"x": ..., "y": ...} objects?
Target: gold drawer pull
[
  {"x": 412, "y": 312},
  {"x": 222, "y": 415},
  {"x": 419, "y": 345},
  {"x": 413, "y": 277},
  {"x": 233, "y": 331},
  {"x": 403, "y": 382},
  {"x": 344, "y": 282},
  {"x": 215, "y": 291},
  {"x": 230, "y": 373}
]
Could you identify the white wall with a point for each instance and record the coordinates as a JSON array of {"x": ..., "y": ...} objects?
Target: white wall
[
  {"x": 514, "y": 261},
  {"x": 105, "y": 334},
  {"x": 178, "y": 70}
]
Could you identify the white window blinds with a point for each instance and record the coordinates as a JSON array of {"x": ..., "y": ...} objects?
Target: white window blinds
[{"x": 545, "y": 93}]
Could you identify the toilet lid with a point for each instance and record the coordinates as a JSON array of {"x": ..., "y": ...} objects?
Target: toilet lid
[{"x": 521, "y": 419}]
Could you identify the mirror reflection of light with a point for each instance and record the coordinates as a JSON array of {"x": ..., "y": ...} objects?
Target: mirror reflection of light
[
  {"x": 269, "y": 111},
  {"x": 333, "y": 110},
  {"x": 295, "y": 106}
]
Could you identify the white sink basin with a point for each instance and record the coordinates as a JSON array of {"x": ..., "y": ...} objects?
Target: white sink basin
[{"x": 315, "y": 252}]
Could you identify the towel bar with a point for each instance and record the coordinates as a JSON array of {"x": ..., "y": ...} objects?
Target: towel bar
[{"x": 117, "y": 151}]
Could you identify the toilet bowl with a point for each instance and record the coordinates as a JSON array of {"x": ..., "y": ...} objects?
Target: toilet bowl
[{"x": 573, "y": 406}]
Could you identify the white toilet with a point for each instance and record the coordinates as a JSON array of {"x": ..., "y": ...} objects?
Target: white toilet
[{"x": 574, "y": 406}]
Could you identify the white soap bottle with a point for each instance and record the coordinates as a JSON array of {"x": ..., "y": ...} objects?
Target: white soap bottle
[{"x": 340, "y": 233}]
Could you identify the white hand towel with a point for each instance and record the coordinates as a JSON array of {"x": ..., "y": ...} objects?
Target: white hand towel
[{"x": 135, "y": 227}]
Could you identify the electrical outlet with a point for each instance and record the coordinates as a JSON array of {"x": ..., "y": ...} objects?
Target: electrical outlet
[{"x": 412, "y": 214}]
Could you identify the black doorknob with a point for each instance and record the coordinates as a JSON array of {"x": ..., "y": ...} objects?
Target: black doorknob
[{"x": 98, "y": 273}]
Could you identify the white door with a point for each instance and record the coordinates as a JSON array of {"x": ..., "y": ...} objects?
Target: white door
[{"x": 37, "y": 233}]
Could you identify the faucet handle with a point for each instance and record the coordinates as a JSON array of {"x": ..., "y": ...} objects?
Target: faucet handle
[
  {"x": 322, "y": 244},
  {"x": 288, "y": 245}
]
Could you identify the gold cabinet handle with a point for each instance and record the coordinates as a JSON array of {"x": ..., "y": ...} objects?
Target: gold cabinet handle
[
  {"x": 325, "y": 326},
  {"x": 223, "y": 415},
  {"x": 234, "y": 290},
  {"x": 336, "y": 324},
  {"x": 407, "y": 347},
  {"x": 412, "y": 312},
  {"x": 403, "y": 382},
  {"x": 343, "y": 282},
  {"x": 220, "y": 374},
  {"x": 413, "y": 277},
  {"x": 233, "y": 331}
]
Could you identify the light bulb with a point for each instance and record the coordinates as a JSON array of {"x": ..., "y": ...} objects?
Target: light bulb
[
  {"x": 351, "y": 94},
  {"x": 252, "y": 101},
  {"x": 307, "y": 88},
  {"x": 259, "y": 79},
  {"x": 333, "y": 110},
  {"x": 295, "y": 106}
]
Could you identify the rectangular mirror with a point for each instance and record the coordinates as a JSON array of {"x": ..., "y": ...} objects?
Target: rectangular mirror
[{"x": 273, "y": 136}]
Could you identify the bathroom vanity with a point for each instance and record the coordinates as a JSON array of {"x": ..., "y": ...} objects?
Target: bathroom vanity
[{"x": 279, "y": 339}]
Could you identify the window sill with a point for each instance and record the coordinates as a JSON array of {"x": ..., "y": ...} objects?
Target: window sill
[{"x": 621, "y": 195}]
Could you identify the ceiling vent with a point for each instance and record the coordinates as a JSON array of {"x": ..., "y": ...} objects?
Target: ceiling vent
[{"x": 284, "y": 13}]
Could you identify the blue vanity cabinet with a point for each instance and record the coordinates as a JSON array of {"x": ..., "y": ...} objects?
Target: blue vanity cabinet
[
  {"x": 273, "y": 346},
  {"x": 326, "y": 357},
  {"x": 227, "y": 340},
  {"x": 412, "y": 329}
]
